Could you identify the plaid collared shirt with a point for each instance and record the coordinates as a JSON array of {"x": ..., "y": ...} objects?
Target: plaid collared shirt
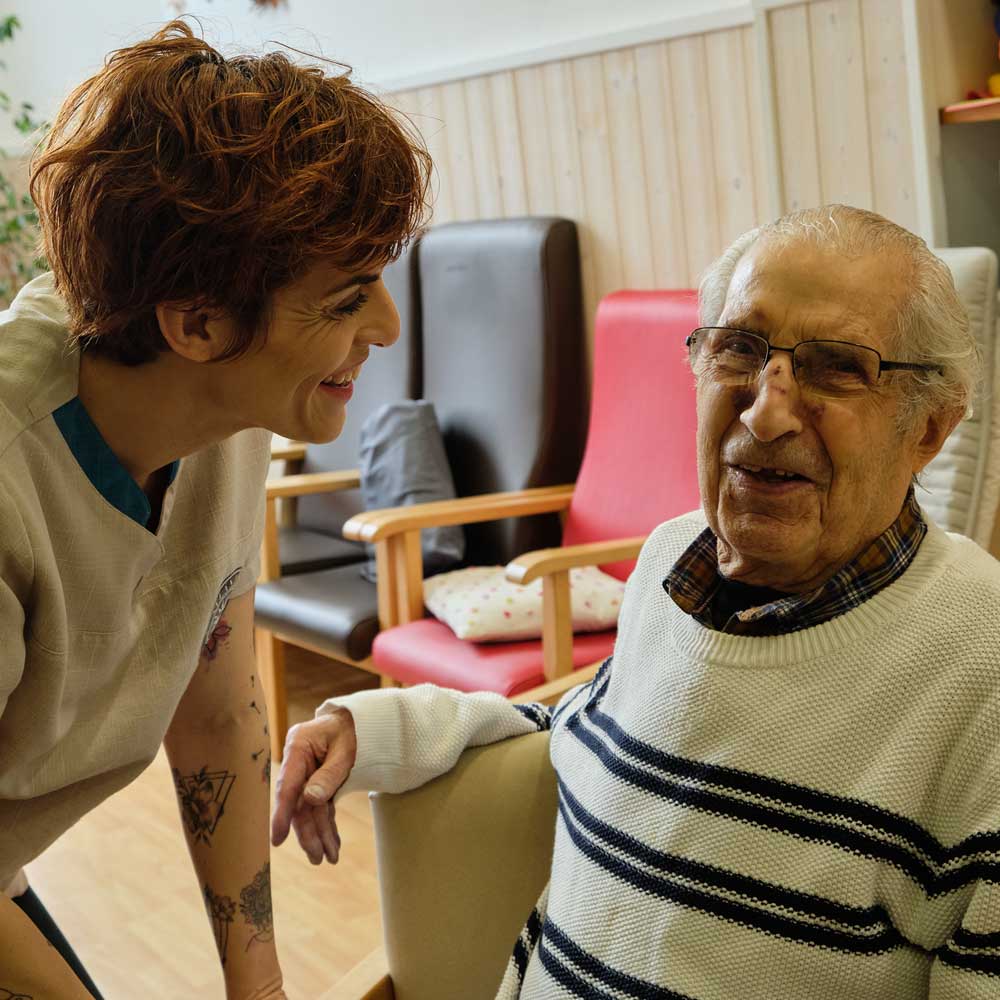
[{"x": 694, "y": 581}]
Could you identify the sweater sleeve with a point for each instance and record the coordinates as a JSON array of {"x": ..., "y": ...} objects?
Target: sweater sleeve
[
  {"x": 407, "y": 736},
  {"x": 14, "y": 582}
]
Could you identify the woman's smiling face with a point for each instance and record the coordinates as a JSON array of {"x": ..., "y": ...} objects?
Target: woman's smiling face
[{"x": 320, "y": 329}]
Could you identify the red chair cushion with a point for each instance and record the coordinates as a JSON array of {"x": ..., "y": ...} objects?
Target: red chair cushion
[
  {"x": 428, "y": 651},
  {"x": 640, "y": 467}
]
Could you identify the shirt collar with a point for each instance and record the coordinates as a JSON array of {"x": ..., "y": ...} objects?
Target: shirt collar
[
  {"x": 101, "y": 465},
  {"x": 694, "y": 580}
]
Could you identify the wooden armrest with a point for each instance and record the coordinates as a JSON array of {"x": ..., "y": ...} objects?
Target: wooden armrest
[
  {"x": 291, "y": 452},
  {"x": 313, "y": 482},
  {"x": 376, "y": 525},
  {"x": 544, "y": 562},
  {"x": 368, "y": 980},
  {"x": 551, "y": 691}
]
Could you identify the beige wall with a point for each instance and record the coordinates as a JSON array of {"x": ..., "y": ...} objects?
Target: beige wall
[{"x": 660, "y": 152}]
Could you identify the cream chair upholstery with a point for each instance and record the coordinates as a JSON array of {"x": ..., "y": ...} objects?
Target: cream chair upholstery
[
  {"x": 461, "y": 863},
  {"x": 961, "y": 487}
]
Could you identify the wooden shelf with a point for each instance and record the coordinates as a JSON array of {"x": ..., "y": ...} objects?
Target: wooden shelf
[{"x": 986, "y": 109}]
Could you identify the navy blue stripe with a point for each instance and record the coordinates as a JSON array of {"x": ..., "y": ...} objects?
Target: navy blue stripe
[
  {"x": 567, "y": 978},
  {"x": 592, "y": 692},
  {"x": 806, "y": 828},
  {"x": 806, "y": 904},
  {"x": 536, "y": 715},
  {"x": 800, "y": 796},
  {"x": 520, "y": 959},
  {"x": 988, "y": 965},
  {"x": 608, "y": 976},
  {"x": 733, "y": 911},
  {"x": 534, "y": 928},
  {"x": 970, "y": 939}
]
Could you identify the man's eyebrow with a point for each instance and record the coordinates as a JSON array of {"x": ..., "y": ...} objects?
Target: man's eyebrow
[{"x": 358, "y": 279}]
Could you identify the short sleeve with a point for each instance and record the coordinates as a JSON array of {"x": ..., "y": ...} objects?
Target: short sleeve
[
  {"x": 15, "y": 585},
  {"x": 256, "y": 493}
]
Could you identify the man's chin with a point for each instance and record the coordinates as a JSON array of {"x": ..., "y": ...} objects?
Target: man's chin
[{"x": 752, "y": 546}]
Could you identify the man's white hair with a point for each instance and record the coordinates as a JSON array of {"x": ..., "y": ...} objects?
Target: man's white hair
[{"x": 932, "y": 326}]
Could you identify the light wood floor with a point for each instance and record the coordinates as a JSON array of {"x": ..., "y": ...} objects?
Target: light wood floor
[{"x": 122, "y": 889}]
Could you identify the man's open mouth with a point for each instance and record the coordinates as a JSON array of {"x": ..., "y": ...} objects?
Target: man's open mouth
[{"x": 769, "y": 475}]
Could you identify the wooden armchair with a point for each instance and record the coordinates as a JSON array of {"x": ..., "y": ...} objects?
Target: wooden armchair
[
  {"x": 398, "y": 530},
  {"x": 501, "y": 359},
  {"x": 639, "y": 469}
]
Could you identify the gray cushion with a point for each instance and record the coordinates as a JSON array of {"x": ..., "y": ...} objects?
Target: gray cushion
[
  {"x": 303, "y": 551},
  {"x": 402, "y": 463},
  {"x": 334, "y": 611}
]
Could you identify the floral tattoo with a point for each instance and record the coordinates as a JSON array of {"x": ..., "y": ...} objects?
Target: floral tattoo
[
  {"x": 203, "y": 801},
  {"x": 255, "y": 905},
  {"x": 221, "y": 910}
]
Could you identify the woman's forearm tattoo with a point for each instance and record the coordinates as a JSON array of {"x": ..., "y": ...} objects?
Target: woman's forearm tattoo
[
  {"x": 203, "y": 801},
  {"x": 255, "y": 905},
  {"x": 220, "y": 911}
]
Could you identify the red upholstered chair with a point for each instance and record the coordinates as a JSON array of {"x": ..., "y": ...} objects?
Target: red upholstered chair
[{"x": 639, "y": 469}]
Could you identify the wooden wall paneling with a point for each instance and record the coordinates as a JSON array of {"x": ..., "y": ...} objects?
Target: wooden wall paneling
[
  {"x": 732, "y": 145},
  {"x": 841, "y": 109},
  {"x": 430, "y": 120},
  {"x": 479, "y": 111},
  {"x": 599, "y": 217},
  {"x": 464, "y": 197},
  {"x": 763, "y": 209},
  {"x": 627, "y": 147},
  {"x": 665, "y": 195},
  {"x": 890, "y": 133},
  {"x": 536, "y": 141},
  {"x": 509, "y": 144},
  {"x": 567, "y": 175},
  {"x": 689, "y": 82},
  {"x": 791, "y": 49}
]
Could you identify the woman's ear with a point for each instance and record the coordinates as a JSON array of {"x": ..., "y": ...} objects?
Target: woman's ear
[{"x": 194, "y": 334}]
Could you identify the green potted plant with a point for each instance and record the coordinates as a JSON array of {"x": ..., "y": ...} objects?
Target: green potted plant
[{"x": 19, "y": 260}]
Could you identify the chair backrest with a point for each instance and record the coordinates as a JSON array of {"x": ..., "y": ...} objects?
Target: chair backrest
[
  {"x": 961, "y": 486},
  {"x": 388, "y": 376},
  {"x": 461, "y": 862},
  {"x": 503, "y": 364},
  {"x": 640, "y": 464}
]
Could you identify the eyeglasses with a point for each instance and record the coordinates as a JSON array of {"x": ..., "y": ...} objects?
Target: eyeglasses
[{"x": 829, "y": 368}]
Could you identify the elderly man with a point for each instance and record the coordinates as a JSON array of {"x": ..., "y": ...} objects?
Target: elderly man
[{"x": 783, "y": 785}]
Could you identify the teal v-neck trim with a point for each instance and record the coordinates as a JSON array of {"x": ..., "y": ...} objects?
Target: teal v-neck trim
[{"x": 100, "y": 464}]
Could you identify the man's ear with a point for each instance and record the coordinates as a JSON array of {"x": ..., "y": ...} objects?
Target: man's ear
[
  {"x": 195, "y": 334},
  {"x": 934, "y": 430}
]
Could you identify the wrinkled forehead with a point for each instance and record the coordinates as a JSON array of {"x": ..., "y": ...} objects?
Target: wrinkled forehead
[{"x": 800, "y": 290}]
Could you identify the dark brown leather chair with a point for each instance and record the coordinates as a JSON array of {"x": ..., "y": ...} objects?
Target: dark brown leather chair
[{"x": 503, "y": 362}]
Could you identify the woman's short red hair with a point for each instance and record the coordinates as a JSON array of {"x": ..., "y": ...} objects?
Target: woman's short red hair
[{"x": 177, "y": 175}]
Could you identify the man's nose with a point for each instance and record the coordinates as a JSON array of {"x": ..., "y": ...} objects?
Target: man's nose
[
  {"x": 382, "y": 326},
  {"x": 774, "y": 411}
]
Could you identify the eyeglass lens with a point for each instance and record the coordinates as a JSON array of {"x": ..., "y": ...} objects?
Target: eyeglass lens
[{"x": 825, "y": 367}]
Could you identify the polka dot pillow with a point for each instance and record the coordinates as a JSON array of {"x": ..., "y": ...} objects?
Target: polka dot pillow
[{"x": 481, "y": 605}]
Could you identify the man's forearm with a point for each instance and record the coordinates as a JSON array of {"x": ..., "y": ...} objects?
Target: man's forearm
[{"x": 221, "y": 767}]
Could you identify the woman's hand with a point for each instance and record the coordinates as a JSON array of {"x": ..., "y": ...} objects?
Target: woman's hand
[{"x": 318, "y": 758}]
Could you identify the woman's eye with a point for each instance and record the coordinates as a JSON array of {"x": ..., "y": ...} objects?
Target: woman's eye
[{"x": 347, "y": 308}]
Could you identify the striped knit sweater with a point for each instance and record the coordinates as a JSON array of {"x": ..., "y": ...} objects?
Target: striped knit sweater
[{"x": 811, "y": 816}]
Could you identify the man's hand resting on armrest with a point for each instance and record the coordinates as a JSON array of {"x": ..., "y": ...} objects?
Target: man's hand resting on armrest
[{"x": 318, "y": 758}]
